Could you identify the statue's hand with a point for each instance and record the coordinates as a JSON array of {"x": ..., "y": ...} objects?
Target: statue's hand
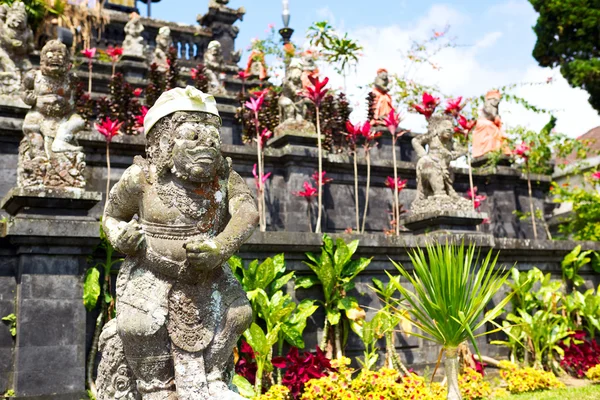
[
  {"x": 130, "y": 237},
  {"x": 205, "y": 255}
]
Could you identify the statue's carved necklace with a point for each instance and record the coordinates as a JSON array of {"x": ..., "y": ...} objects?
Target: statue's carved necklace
[{"x": 203, "y": 204}]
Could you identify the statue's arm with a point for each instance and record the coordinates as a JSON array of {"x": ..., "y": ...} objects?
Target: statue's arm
[
  {"x": 28, "y": 94},
  {"x": 122, "y": 231},
  {"x": 418, "y": 143}
]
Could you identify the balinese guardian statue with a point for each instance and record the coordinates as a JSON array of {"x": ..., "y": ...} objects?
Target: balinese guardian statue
[
  {"x": 382, "y": 101},
  {"x": 16, "y": 43},
  {"x": 292, "y": 105},
  {"x": 49, "y": 154},
  {"x": 434, "y": 178},
  {"x": 215, "y": 65},
  {"x": 178, "y": 215},
  {"x": 488, "y": 136},
  {"x": 161, "y": 52},
  {"x": 134, "y": 45}
]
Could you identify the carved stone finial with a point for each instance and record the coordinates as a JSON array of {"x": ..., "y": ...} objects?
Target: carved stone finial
[
  {"x": 134, "y": 45},
  {"x": 49, "y": 154},
  {"x": 163, "y": 43},
  {"x": 434, "y": 178},
  {"x": 16, "y": 43},
  {"x": 180, "y": 310}
]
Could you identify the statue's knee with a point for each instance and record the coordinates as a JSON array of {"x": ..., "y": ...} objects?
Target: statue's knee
[
  {"x": 136, "y": 323},
  {"x": 240, "y": 315}
]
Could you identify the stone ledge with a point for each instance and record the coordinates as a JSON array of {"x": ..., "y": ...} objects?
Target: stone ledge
[
  {"x": 451, "y": 221},
  {"x": 43, "y": 198}
]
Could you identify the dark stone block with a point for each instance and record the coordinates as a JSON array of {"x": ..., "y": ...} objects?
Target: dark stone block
[
  {"x": 43, "y": 358},
  {"x": 61, "y": 383},
  {"x": 59, "y": 287},
  {"x": 51, "y": 322}
]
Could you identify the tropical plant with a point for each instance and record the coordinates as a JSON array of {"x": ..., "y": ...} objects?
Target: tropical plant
[
  {"x": 262, "y": 344},
  {"x": 335, "y": 271},
  {"x": 521, "y": 380},
  {"x": 11, "y": 321},
  {"x": 580, "y": 354},
  {"x": 572, "y": 263},
  {"x": 452, "y": 288},
  {"x": 300, "y": 368}
]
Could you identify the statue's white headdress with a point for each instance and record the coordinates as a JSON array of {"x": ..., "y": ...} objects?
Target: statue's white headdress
[
  {"x": 164, "y": 31},
  {"x": 214, "y": 44},
  {"x": 180, "y": 99}
]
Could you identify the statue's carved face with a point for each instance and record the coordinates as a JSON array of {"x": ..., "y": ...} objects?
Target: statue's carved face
[
  {"x": 54, "y": 61},
  {"x": 445, "y": 129},
  {"x": 382, "y": 80},
  {"x": 16, "y": 21},
  {"x": 163, "y": 40},
  {"x": 492, "y": 102},
  {"x": 197, "y": 150}
]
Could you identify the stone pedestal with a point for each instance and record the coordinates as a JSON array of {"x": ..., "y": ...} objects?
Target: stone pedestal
[
  {"x": 294, "y": 139},
  {"x": 502, "y": 160},
  {"x": 443, "y": 222},
  {"x": 296, "y": 128},
  {"x": 44, "y": 245}
]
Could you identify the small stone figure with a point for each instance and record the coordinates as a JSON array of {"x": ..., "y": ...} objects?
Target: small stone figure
[
  {"x": 161, "y": 52},
  {"x": 257, "y": 67},
  {"x": 382, "y": 101},
  {"x": 292, "y": 105},
  {"x": 16, "y": 43},
  {"x": 134, "y": 45},
  {"x": 434, "y": 179},
  {"x": 488, "y": 136},
  {"x": 309, "y": 68},
  {"x": 49, "y": 154},
  {"x": 180, "y": 310},
  {"x": 214, "y": 64}
]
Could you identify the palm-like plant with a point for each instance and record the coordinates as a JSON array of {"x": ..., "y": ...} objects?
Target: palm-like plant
[{"x": 451, "y": 290}]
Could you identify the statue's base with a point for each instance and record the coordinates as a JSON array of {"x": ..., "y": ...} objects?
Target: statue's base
[
  {"x": 43, "y": 200},
  {"x": 502, "y": 160},
  {"x": 296, "y": 128},
  {"x": 443, "y": 222},
  {"x": 294, "y": 139}
]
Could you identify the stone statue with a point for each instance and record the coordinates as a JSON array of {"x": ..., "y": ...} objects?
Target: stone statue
[
  {"x": 161, "y": 52},
  {"x": 488, "y": 136},
  {"x": 434, "y": 180},
  {"x": 292, "y": 105},
  {"x": 16, "y": 43},
  {"x": 215, "y": 65},
  {"x": 134, "y": 45},
  {"x": 309, "y": 68},
  {"x": 220, "y": 20},
  {"x": 180, "y": 310},
  {"x": 49, "y": 154},
  {"x": 382, "y": 101},
  {"x": 257, "y": 67}
]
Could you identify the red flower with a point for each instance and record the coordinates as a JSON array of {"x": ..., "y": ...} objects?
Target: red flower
[
  {"x": 317, "y": 92},
  {"x": 139, "y": 119},
  {"x": 522, "y": 150},
  {"x": 478, "y": 199},
  {"x": 453, "y": 106},
  {"x": 194, "y": 73},
  {"x": 367, "y": 133},
  {"x": 428, "y": 105},
  {"x": 255, "y": 103},
  {"x": 264, "y": 136},
  {"x": 324, "y": 181},
  {"x": 353, "y": 131},
  {"x": 137, "y": 92},
  {"x": 264, "y": 177},
  {"x": 400, "y": 183},
  {"x": 114, "y": 53},
  {"x": 308, "y": 192},
  {"x": 89, "y": 53},
  {"x": 302, "y": 368},
  {"x": 596, "y": 175},
  {"x": 109, "y": 128},
  {"x": 243, "y": 75},
  {"x": 392, "y": 121}
]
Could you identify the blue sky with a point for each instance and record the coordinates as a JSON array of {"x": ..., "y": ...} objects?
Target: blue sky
[{"x": 494, "y": 39}]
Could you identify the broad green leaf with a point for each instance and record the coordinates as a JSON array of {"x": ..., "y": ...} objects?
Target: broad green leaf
[
  {"x": 306, "y": 282},
  {"x": 355, "y": 267},
  {"x": 235, "y": 263},
  {"x": 244, "y": 387},
  {"x": 281, "y": 281},
  {"x": 333, "y": 316},
  {"x": 292, "y": 335},
  {"x": 328, "y": 244},
  {"x": 279, "y": 263},
  {"x": 265, "y": 273},
  {"x": 378, "y": 284},
  {"x": 91, "y": 288},
  {"x": 257, "y": 339},
  {"x": 341, "y": 256}
]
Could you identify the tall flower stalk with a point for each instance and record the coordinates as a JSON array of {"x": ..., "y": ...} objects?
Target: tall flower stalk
[
  {"x": 89, "y": 53},
  {"x": 114, "y": 53},
  {"x": 255, "y": 105},
  {"x": 392, "y": 121},
  {"x": 353, "y": 132},
  {"x": 316, "y": 93},
  {"x": 370, "y": 136},
  {"x": 466, "y": 127},
  {"x": 522, "y": 151},
  {"x": 109, "y": 129}
]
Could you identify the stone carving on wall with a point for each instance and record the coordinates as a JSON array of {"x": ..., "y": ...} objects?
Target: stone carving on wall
[
  {"x": 434, "y": 178},
  {"x": 382, "y": 101},
  {"x": 161, "y": 52},
  {"x": 180, "y": 310},
  {"x": 292, "y": 105},
  {"x": 48, "y": 153},
  {"x": 134, "y": 45},
  {"x": 16, "y": 43},
  {"x": 488, "y": 136},
  {"x": 215, "y": 65}
]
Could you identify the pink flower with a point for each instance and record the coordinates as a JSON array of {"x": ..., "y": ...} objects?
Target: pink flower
[
  {"x": 353, "y": 131},
  {"x": 255, "y": 103},
  {"x": 478, "y": 199},
  {"x": 114, "y": 53},
  {"x": 324, "y": 180},
  {"x": 453, "y": 106},
  {"x": 367, "y": 133},
  {"x": 392, "y": 121},
  {"x": 264, "y": 137},
  {"x": 89, "y": 53},
  {"x": 109, "y": 128},
  {"x": 428, "y": 105},
  {"x": 243, "y": 75},
  {"x": 596, "y": 175},
  {"x": 317, "y": 92},
  {"x": 137, "y": 92},
  {"x": 522, "y": 150},
  {"x": 308, "y": 192},
  {"x": 194, "y": 73},
  {"x": 466, "y": 125},
  {"x": 271, "y": 26},
  {"x": 400, "y": 183},
  {"x": 264, "y": 177}
]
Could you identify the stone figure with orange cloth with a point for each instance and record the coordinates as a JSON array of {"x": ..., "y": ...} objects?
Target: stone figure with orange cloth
[
  {"x": 488, "y": 136},
  {"x": 257, "y": 67},
  {"x": 382, "y": 101}
]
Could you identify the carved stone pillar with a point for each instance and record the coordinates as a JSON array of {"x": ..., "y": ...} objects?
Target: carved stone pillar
[{"x": 220, "y": 20}]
